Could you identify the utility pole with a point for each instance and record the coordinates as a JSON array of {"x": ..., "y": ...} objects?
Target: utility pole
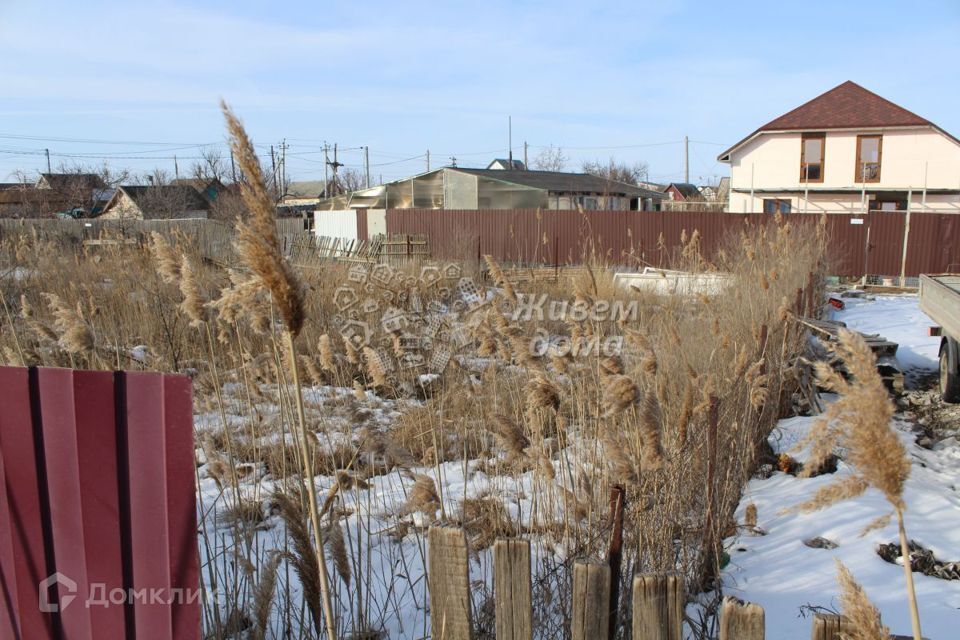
[
  {"x": 47, "y": 151},
  {"x": 525, "y": 147},
  {"x": 273, "y": 166},
  {"x": 428, "y": 160},
  {"x": 366, "y": 164},
  {"x": 510, "y": 140},
  {"x": 283, "y": 167},
  {"x": 326, "y": 165},
  {"x": 686, "y": 159},
  {"x": 335, "y": 165},
  {"x": 176, "y": 168},
  {"x": 453, "y": 161},
  {"x": 233, "y": 167}
]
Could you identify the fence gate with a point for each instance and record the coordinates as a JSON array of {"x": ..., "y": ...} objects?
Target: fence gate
[{"x": 98, "y": 530}]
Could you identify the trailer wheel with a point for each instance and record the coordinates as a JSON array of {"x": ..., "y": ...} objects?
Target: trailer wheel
[{"x": 949, "y": 377}]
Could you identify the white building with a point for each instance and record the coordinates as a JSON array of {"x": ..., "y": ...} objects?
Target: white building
[{"x": 845, "y": 151}]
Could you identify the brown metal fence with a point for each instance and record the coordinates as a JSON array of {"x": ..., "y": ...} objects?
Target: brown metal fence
[{"x": 860, "y": 244}]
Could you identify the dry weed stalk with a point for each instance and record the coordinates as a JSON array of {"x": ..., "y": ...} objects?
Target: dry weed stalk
[
  {"x": 258, "y": 245},
  {"x": 863, "y": 616},
  {"x": 859, "y": 423}
]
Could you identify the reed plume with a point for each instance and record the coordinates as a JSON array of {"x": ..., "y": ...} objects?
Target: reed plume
[
  {"x": 193, "y": 305},
  {"x": 863, "y": 616},
  {"x": 859, "y": 423},
  {"x": 263, "y": 597},
  {"x": 75, "y": 335},
  {"x": 259, "y": 247},
  {"x": 327, "y": 360},
  {"x": 168, "y": 265},
  {"x": 257, "y": 241},
  {"x": 619, "y": 394}
]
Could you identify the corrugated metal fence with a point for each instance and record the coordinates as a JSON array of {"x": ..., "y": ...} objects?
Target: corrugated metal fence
[
  {"x": 98, "y": 528},
  {"x": 629, "y": 237}
]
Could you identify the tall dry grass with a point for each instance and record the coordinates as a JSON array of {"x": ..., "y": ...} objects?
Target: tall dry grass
[{"x": 288, "y": 405}]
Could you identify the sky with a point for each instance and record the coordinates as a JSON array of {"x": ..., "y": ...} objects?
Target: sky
[{"x": 131, "y": 85}]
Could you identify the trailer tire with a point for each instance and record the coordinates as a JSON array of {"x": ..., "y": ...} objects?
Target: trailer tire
[{"x": 949, "y": 374}]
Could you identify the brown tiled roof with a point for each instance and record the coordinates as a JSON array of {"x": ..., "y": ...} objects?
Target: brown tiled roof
[{"x": 847, "y": 106}]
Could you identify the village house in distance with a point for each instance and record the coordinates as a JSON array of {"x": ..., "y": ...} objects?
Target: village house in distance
[{"x": 846, "y": 151}]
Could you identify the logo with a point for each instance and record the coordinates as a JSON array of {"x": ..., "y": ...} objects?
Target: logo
[
  {"x": 68, "y": 585},
  {"x": 409, "y": 322}
]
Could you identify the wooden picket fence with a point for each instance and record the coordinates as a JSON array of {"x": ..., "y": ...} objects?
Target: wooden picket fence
[
  {"x": 657, "y": 603},
  {"x": 309, "y": 251}
]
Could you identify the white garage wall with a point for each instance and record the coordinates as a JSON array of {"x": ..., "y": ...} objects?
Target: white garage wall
[{"x": 336, "y": 224}]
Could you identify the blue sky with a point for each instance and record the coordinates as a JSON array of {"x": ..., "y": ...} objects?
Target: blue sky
[{"x": 622, "y": 79}]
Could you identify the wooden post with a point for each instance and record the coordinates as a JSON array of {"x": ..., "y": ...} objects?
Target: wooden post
[
  {"x": 798, "y": 303},
  {"x": 812, "y": 306},
  {"x": 741, "y": 620},
  {"x": 591, "y": 600},
  {"x": 512, "y": 588},
  {"x": 658, "y": 607},
  {"x": 710, "y": 551},
  {"x": 828, "y": 626},
  {"x": 449, "y": 584},
  {"x": 615, "y": 554}
]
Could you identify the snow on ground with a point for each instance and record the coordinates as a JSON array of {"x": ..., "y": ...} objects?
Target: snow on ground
[
  {"x": 897, "y": 318},
  {"x": 781, "y": 574}
]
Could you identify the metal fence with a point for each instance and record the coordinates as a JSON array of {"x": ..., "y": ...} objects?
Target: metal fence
[
  {"x": 887, "y": 243},
  {"x": 98, "y": 523}
]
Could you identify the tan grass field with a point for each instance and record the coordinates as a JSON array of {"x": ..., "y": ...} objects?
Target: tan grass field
[{"x": 503, "y": 440}]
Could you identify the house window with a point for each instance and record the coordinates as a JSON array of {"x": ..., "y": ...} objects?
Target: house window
[
  {"x": 811, "y": 157},
  {"x": 889, "y": 205},
  {"x": 776, "y": 205},
  {"x": 869, "y": 150}
]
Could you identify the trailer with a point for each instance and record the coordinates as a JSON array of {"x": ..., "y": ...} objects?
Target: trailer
[{"x": 940, "y": 299}]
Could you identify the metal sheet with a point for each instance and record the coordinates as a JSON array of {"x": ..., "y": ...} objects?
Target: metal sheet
[
  {"x": 97, "y": 479},
  {"x": 143, "y": 420},
  {"x": 27, "y": 501},
  {"x": 630, "y": 238}
]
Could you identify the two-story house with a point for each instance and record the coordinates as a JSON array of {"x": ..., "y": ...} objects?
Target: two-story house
[{"x": 846, "y": 151}]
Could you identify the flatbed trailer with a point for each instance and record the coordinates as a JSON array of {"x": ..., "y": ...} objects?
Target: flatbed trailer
[{"x": 940, "y": 299}]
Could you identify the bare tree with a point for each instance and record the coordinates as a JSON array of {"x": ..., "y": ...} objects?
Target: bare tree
[
  {"x": 351, "y": 180},
  {"x": 617, "y": 171},
  {"x": 551, "y": 159},
  {"x": 211, "y": 165}
]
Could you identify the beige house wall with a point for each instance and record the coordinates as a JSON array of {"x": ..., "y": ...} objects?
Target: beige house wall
[
  {"x": 123, "y": 209},
  {"x": 911, "y": 159}
]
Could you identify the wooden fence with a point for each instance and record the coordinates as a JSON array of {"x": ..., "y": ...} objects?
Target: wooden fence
[
  {"x": 212, "y": 238},
  {"x": 657, "y": 601},
  {"x": 98, "y": 522},
  {"x": 309, "y": 251}
]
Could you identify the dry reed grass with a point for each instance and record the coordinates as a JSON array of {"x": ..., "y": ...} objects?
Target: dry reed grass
[{"x": 549, "y": 433}]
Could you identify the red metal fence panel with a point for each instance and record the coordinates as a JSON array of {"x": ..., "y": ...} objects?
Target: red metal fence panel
[
  {"x": 98, "y": 527},
  {"x": 632, "y": 237}
]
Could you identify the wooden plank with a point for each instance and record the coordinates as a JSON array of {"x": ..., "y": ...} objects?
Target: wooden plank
[
  {"x": 591, "y": 600},
  {"x": 658, "y": 603},
  {"x": 512, "y": 588},
  {"x": 449, "y": 584},
  {"x": 828, "y": 626},
  {"x": 741, "y": 620}
]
